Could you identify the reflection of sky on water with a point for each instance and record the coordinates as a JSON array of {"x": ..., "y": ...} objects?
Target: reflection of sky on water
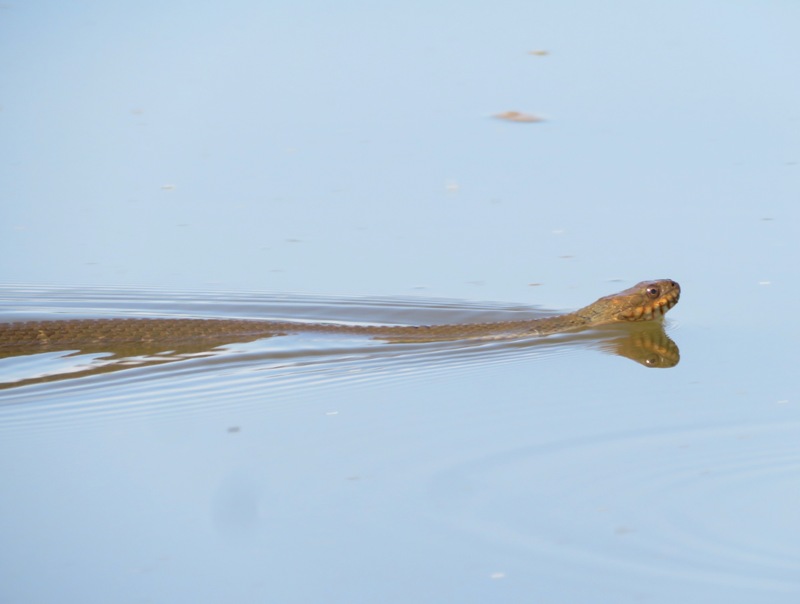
[
  {"x": 312, "y": 147},
  {"x": 350, "y": 149}
]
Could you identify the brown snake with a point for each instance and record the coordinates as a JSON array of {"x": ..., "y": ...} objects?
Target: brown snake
[{"x": 646, "y": 301}]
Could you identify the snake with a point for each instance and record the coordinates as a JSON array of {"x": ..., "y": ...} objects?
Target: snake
[{"x": 644, "y": 302}]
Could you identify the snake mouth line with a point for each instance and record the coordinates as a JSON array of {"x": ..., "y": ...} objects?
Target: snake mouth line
[{"x": 663, "y": 304}]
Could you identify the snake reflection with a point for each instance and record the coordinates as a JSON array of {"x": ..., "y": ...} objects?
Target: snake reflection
[{"x": 628, "y": 324}]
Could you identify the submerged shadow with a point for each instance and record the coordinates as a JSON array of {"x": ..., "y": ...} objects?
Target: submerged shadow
[{"x": 645, "y": 343}]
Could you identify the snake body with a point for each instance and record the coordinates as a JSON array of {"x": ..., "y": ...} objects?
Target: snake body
[{"x": 646, "y": 301}]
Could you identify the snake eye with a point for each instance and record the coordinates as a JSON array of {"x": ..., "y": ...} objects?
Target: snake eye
[
  {"x": 653, "y": 291},
  {"x": 652, "y": 361}
]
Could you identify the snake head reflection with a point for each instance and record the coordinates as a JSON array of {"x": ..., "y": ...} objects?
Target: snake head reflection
[{"x": 647, "y": 344}]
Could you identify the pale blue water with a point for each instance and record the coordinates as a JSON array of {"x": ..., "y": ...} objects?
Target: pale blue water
[{"x": 229, "y": 159}]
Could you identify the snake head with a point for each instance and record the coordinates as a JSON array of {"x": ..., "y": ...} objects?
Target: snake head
[{"x": 644, "y": 301}]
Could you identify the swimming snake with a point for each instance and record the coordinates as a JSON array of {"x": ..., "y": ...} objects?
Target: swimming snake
[{"x": 646, "y": 301}]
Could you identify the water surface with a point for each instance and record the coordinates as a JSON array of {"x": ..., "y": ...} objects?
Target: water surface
[
  {"x": 309, "y": 161},
  {"x": 535, "y": 469}
]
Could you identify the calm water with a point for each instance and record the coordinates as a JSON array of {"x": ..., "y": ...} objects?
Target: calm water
[
  {"x": 301, "y": 161},
  {"x": 544, "y": 469}
]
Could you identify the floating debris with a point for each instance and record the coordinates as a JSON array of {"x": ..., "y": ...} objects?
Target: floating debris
[
  {"x": 539, "y": 53},
  {"x": 518, "y": 116}
]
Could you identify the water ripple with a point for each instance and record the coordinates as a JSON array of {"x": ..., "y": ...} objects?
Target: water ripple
[
  {"x": 706, "y": 505},
  {"x": 247, "y": 375}
]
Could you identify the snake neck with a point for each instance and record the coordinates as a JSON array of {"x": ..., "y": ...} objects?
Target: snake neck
[
  {"x": 567, "y": 322},
  {"x": 588, "y": 316}
]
